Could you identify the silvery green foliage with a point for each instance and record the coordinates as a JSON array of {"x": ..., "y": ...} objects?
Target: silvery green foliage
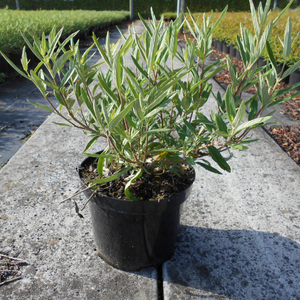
[{"x": 152, "y": 118}]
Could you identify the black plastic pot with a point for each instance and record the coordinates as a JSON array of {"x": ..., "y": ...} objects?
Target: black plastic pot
[
  {"x": 232, "y": 51},
  {"x": 219, "y": 45},
  {"x": 261, "y": 62},
  {"x": 295, "y": 78},
  {"x": 130, "y": 235},
  {"x": 225, "y": 48}
]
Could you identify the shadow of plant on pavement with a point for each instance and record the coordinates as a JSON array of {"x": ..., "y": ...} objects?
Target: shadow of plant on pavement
[{"x": 236, "y": 264}]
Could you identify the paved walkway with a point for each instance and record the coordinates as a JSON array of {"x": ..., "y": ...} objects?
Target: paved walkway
[{"x": 239, "y": 237}]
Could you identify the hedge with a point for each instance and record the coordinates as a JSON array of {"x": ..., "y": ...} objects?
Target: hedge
[
  {"x": 14, "y": 22},
  {"x": 141, "y": 6}
]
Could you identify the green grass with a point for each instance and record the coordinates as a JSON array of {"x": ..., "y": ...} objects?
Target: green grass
[{"x": 13, "y": 22}]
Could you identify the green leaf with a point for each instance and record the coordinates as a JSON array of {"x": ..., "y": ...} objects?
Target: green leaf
[
  {"x": 253, "y": 109},
  {"x": 282, "y": 13},
  {"x": 262, "y": 43},
  {"x": 208, "y": 167},
  {"x": 62, "y": 124},
  {"x": 287, "y": 49},
  {"x": 61, "y": 61},
  {"x": 218, "y": 158},
  {"x": 113, "y": 177},
  {"x": 288, "y": 97},
  {"x": 152, "y": 50},
  {"x": 127, "y": 192},
  {"x": 95, "y": 155},
  {"x": 100, "y": 165},
  {"x": 209, "y": 76},
  {"x": 159, "y": 100},
  {"x": 158, "y": 130},
  {"x": 220, "y": 123},
  {"x": 254, "y": 19},
  {"x": 143, "y": 72},
  {"x": 145, "y": 24},
  {"x": 239, "y": 115},
  {"x": 91, "y": 143},
  {"x": 120, "y": 116},
  {"x": 102, "y": 52},
  {"x": 105, "y": 113},
  {"x": 38, "y": 82},
  {"x": 41, "y": 106},
  {"x": 230, "y": 105},
  {"x": 58, "y": 96},
  {"x": 138, "y": 110},
  {"x": 190, "y": 127},
  {"x": 232, "y": 72},
  {"x": 62, "y": 45},
  {"x": 67, "y": 76},
  {"x": 239, "y": 147},
  {"x": 97, "y": 112},
  {"x": 87, "y": 101},
  {"x": 32, "y": 48},
  {"x": 291, "y": 70},
  {"x": 219, "y": 19},
  {"x": 107, "y": 89},
  {"x": 54, "y": 42},
  {"x": 24, "y": 60},
  {"x": 161, "y": 150},
  {"x": 108, "y": 46},
  {"x": 134, "y": 81},
  {"x": 44, "y": 44},
  {"x": 252, "y": 123},
  {"x": 271, "y": 55},
  {"x": 14, "y": 66},
  {"x": 117, "y": 71}
]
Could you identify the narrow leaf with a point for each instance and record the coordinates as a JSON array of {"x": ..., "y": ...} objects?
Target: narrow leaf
[
  {"x": 252, "y": 123},
  {"x": 209, "y": 168},
  {"x": 113, "y": 177},
  {"x": 127, "y": 192},
  {"x": 218, "y": 158},
  {"x": 41, "y": 106},
  {"x": 117, "y": 118},
  {"x": 14, "y": 66},
  {"x": 239, "y": 115}
]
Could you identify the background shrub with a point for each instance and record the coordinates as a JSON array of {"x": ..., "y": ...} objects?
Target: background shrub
[
  {"x": 13, "y": 22},
  {"x": 141, "y": 6}
]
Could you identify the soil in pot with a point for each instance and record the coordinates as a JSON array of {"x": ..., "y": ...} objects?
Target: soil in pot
[
  {"x": 130, "y": 235},
  {"x": 147, "y": 188}
]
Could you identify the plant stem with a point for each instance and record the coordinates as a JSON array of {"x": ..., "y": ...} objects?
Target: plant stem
[{"x": 111, "y": 142}]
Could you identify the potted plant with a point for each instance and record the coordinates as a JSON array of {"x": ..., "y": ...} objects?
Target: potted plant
[{"x": 151, "y": 117}]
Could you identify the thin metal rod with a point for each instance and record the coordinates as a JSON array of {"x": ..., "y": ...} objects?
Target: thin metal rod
[
  {"x": 131, "y": 9},
  {"x": 178, "y": 7}
]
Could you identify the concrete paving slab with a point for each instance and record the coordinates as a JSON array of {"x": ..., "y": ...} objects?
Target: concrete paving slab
[
  {"x": 240, "y": 231},
  {"x": 18, "y": 118}
]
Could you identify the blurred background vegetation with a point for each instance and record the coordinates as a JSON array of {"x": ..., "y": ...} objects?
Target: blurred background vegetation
[{"x": 141, "y": 6}]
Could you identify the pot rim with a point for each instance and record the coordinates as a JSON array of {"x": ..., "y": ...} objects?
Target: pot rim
[{"x": 175, "y": 195}]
